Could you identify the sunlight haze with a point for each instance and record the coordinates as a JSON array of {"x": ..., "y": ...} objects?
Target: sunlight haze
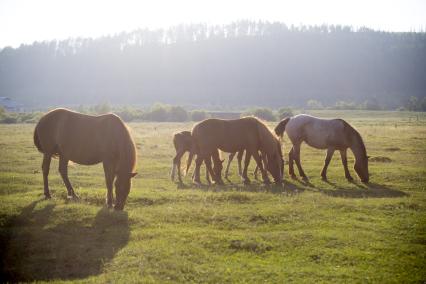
[{"x": 26, "y": 21}]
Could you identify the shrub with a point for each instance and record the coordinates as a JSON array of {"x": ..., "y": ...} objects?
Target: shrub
[
  {"x": 177, "y": 113},
  {"x": 262, "y": 113},
  {"x": 314, "y": 104},
  {"x": 284, "y": 112},
  {"x": 198, "y": 115}
]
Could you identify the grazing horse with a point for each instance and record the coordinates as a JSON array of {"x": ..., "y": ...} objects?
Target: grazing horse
[
  {"x": 330, "y": 134},
  {"x": 88, "y": 140},
  {"x": 248, "y": 133},
  {"x": 183, "y": 143}
]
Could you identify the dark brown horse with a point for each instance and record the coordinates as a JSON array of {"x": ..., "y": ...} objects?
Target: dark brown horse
[
  {"x": 88, "y": 140},
  {"x": 248, "y": 133},
  {"x": 330, "y": 134}
]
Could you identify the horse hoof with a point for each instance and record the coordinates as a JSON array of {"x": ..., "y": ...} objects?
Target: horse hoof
[
  {"x": 293, "y": 176},
  {"x": 324, "y": 178},
  {"x": 305, "y": 179},
  {"x": 246, "y": 181},
  {"x": 47, "y": 196},
  {"x": 73, "y": 197},
  {"x": 350, "y": 179}
]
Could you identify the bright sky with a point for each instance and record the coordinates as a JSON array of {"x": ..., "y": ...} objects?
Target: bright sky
[{"x": 25, "y": 21}]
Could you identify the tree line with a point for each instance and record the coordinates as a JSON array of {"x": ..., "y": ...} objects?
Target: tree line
[{"x": 245, "y": 63}]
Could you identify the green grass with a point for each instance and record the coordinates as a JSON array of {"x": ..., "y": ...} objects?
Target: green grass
[{"x": 317, "y": 232}]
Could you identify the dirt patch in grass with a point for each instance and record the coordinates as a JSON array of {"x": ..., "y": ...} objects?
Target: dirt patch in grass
[
  {"x": 252, "y": 246},
  {"x": 393, "y": 149},
  {"x": 381, "y": 159}
]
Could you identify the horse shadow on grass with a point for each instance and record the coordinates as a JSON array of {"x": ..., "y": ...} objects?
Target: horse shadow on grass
[
  {"x": 36, "y": 247},
  {"x": 370, "y": 190},
  {"x": 291, "y": 187},
  {"x": 287, "y": 187}
]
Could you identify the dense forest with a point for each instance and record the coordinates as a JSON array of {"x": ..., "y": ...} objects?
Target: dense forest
[{"x": 238, "y": 65}]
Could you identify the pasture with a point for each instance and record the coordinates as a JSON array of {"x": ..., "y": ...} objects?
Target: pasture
[{"x": 307, "y": 232}]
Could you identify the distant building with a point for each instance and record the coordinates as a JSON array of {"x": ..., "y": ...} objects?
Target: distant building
[
  {"x": 224, "y": 115},
  {"x": 9, "y": 105}
]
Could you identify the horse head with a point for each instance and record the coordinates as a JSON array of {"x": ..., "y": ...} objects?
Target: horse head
[{"x": 122, "y": 188}]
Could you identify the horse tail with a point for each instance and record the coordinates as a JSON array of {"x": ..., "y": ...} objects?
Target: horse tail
[
  {"x": 37, "y": 141},
  {"x": 188, "y": 163},
  {"x": 280, "y": 128}
]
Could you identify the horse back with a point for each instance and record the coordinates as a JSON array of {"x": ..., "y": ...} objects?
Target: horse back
[
  {"x": 228, "y": 135},
  {"x": 318, "y": 133},
  {"x": 84, "y": 139}
]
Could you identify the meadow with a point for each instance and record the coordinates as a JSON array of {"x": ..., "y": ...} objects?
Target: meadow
[{"x": 319, "y": 231}]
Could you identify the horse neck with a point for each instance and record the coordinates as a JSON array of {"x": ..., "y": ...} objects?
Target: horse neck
[
  {"x": 357, "y": 146},
  {"x": 127, "y": 154}
]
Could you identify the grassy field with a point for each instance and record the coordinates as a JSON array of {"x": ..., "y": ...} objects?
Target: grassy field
[{"x": 318, "y": 232}]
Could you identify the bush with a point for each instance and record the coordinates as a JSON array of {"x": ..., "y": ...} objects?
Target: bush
[
  {"x": 162, "y": 113},
  {"x": 314, "y": 104},
  {"x": 128, "y": 114},
  {"x": 284, "y": 112},
  {"x": 9, "y": 119},
  {"x": 177, "y": 114},
  {"x": 101, "y": 108},
  {"x": 371, "y": 104},
  {"x": 262, "y": 113},
  {"x": 198, "y": 115},
  {"x": 344, "y": 105}
]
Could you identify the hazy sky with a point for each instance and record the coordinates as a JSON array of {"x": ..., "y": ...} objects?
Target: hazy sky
[{"x": 24, "y": 21}]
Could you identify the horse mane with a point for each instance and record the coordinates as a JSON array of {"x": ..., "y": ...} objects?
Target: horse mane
[
  {"x": 267, "y": 138},
  {"x": 355, "y": 134}
]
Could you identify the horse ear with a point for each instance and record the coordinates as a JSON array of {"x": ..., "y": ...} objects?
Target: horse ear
[
  {"x": 222, "y": 161},
  {"x": 132, "y": 175}
]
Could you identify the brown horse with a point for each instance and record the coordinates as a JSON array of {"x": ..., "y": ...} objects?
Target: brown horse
[
  {"x": 248, "y": 133},
  {"x": 182, "y": 142},
  {"x": 330, "y": 134},
  {"x": 88, "y": 140}
]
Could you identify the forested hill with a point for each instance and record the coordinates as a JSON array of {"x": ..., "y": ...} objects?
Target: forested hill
[{"x": 240, "y": 64}]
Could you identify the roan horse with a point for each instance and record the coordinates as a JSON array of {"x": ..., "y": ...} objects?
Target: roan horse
[
  {"x": 330, "y": 134},
  {"x": 88, "y": 140},
  {"x": 248, "y": 133}
]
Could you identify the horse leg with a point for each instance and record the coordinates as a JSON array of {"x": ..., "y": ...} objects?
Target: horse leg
[
  {"x": 290, "y": 164},
  {"x": 255, "y": 172},
  {"x": 330, "y": 152},
  {"x": 196, "y": 175},
  {"x": 240, "y": 157},
  {"x": 45, "y": 168},
  {"x": 109, "y": 179},
  {"x": 209, "y": 171},
  {"x": 230, "y": 158},
  {"x": 244, "y": 176},
  {"x": 176, "y": 164},
  {"x": 217, "y": 163},
  {"x": 296, "y": 156},
  {"x": 260, "y": 166},
  {"x": 63, "y": 170},
  {"x": 345, "y": 165}
]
